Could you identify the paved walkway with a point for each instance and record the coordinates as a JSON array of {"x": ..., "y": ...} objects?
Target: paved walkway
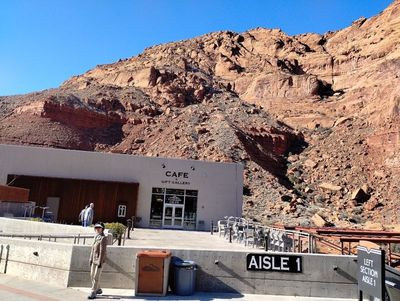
[
  {"x": 15, "y": 289},
  {"x": 169, "y": 239}
]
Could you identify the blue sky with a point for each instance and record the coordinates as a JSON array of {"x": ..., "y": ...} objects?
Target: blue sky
[{"x": 44, "y": 42}]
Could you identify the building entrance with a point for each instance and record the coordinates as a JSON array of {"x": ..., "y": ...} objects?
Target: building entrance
[
  {"x": 173, "y": 208},
  {"x": 173, "y": 216}
]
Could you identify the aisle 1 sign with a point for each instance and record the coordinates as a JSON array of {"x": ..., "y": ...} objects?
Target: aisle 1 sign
[
  {"x": 371, "y": 272},
  {"x": 274, "y": 263}
]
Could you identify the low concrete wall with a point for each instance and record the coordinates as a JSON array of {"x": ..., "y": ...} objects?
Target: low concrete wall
[
  {"x": 118, "y": 272},
  {"x": 10, "y": 225},
  {"x": 68, "y": 265},
  {"x": 51, "y": 264},
  {"x": 319, "y": 279}
]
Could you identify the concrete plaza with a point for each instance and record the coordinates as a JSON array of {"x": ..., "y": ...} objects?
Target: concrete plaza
[
  {"x": 172, "y": 239},
  {"x": 15, "y": 289}
]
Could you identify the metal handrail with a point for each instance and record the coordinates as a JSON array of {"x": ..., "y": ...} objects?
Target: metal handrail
[
  {"x": 77, "y": 237},
  {"x": 300, "y": 235}
]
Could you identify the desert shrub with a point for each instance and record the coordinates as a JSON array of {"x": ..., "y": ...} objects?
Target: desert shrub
[
  {"x": 117, "y": 229},
  {"x": 246, "y": 190},
  {"x": 396, "y": 248}
]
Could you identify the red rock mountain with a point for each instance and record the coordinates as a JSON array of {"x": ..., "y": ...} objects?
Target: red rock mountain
[{"x": 313, "y": 118}]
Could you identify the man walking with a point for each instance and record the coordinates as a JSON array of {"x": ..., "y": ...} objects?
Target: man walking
[
  {"x": 88, "y": 216},
  {"x": 97, "y": 259},
  {"x": 82, "y": 216}
]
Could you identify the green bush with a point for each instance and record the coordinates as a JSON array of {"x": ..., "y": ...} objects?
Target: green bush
[
  {"x": 35, "y": 219},
  {"x": 117, "y": 229},
  {"x": 396, "y": 248}
]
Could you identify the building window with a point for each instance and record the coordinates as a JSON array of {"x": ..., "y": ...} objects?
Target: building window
[
  {"x": 121, "y": 210},
  {"x": 169, "y": 198},
  {"x": 157, "y": 207}
]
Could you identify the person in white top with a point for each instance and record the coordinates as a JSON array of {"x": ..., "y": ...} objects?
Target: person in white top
[
  {"x": 82, "y": 215},
  {"x": 88, "y": 216}
]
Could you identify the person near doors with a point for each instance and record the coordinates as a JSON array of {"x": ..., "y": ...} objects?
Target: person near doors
[
  {"x": 97, "y": 259},
  {"x": 88, "y": 216},
  {"x": 82, "y": 215}
]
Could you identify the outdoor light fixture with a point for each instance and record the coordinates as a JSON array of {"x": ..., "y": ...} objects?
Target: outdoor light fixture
[
  {"x": 163, "y": 165},
  {"x": 36, "y": 253},
  {"x": 192, "y": 168}
]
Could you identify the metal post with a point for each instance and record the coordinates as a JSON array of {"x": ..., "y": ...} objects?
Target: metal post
[
  {"x": 293, "y": 242},
  {"x": 212, "y": 227},
  {"x": 298, "y": 243},
  {"x": 1, "y": 252},
  {"x": 129, "y": 223},
  {"x": 266, "y": 238},
  {"x": 230, "y": 234},
  {"x": 301, "y": 244},
  {"x": 133, "y": 223},
  {"x": 8, "y": 252}
]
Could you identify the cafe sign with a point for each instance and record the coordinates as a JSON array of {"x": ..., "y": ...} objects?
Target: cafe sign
[
  {"x": 176, "y": 177},
  {"x": 371, "y": 272}
]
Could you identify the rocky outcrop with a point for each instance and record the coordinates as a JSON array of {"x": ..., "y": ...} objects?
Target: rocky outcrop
[{"x": 313, "y": 118}]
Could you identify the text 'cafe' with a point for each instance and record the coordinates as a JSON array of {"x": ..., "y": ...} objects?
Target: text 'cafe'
[{"x": 161, "y": 192}]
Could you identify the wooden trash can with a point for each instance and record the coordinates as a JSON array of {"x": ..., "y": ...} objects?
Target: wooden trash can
[{"x": 152, "y": 270}]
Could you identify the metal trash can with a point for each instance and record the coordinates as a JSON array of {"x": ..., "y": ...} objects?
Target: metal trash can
[
  {"x": 152, "y": 269},
  {"x": 393, "y": 288},
  {"x": 392, "y": 283},
  {"x": 184, "y": 277}
]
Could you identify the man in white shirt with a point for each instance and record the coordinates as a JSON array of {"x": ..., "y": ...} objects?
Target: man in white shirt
[
  {"x": 88, "y": 216},
  {"x": 82, "y": 216}
]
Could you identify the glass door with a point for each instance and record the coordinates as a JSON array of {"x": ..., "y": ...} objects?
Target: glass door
[
  {"x": 173, "y": 216},
  {"x": 178, "y": 216}
]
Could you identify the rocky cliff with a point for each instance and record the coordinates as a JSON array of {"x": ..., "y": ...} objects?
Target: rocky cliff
[{"x": 313, "y": 118}]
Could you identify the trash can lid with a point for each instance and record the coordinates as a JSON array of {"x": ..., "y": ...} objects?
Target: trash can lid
[
  {"x": 154, "y": 253},
  {"x": 185, "y": 263},
  {"x": 393, "y": 283}
]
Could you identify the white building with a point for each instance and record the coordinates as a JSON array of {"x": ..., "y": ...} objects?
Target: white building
[{"x": 163, "y": 192}]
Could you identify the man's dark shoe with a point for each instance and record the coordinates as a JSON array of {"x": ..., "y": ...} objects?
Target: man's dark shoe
[
  {"x": 92, "y": 295},
  {"x": 99, "y": 291}
]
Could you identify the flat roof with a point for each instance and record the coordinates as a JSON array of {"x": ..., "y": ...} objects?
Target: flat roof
[{"x": 113, "y": 154}]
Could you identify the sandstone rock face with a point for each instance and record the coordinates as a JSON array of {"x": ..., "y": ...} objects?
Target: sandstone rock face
[{"x": 312, "y": 117}]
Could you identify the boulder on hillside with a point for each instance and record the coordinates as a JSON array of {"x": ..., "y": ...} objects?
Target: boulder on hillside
[
  {"x": 319, "y": 221},
  {"x": 329, "y": 186},
  {"x": 360, "y": 195},
  {"x": 372, "y": 204}
]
